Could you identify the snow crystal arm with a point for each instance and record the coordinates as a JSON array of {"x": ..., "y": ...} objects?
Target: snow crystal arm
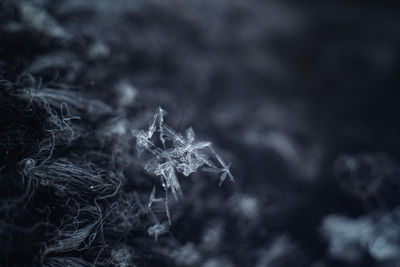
[
  {"x": 225, "y": 167},
  {"x": 161, "y": 114}
]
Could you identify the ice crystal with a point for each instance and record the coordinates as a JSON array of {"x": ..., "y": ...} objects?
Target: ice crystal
[{"x": 177, "y": 153}]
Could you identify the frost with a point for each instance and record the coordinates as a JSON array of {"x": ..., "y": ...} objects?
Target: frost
[
  {"x": 225, "y": 169},
  {"x": 173, "y": 153}
]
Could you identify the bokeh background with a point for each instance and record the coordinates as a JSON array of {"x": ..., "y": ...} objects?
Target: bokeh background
[{"x": 301, "y": 97}]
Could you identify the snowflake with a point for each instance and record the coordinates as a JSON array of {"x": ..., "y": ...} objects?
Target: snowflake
[{"x": 172, "y": 153}]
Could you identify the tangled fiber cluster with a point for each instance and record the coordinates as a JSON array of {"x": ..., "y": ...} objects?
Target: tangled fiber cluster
[
  {"x": 66, "y": 193},
  {"x": 73, "y": 187},
  {"x": 64, "y": 181},
  {"x": 66, "y": 199}
]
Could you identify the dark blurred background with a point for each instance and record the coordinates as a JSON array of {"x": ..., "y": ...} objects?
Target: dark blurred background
[{"x": 302, "y": 97}]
